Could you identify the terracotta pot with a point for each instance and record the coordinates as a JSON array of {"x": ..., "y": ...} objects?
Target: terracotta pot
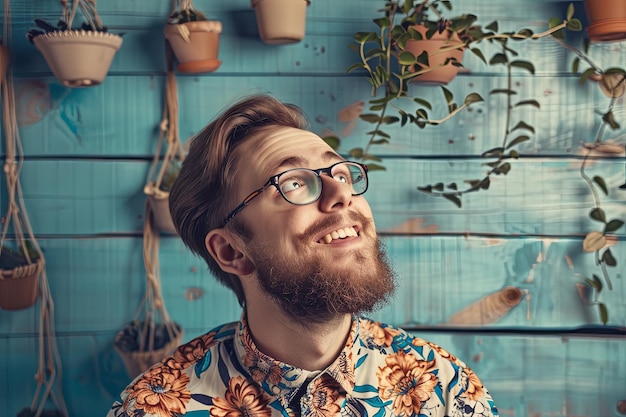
[
  {"x": 19, "y": 287},
  {"x": 4, "y": 61},
  {"x": 441, "y": 74},
  {"x": 161, "y": 209},
  {"x": 607, "y": 19},
  {"x": 281, "y": 22},
  {"x": 78, "y": 58},
  {"x": 195, "y": 44}
]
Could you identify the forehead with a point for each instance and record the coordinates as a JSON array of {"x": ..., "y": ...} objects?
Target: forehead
[{"x": 282, "y": 148}]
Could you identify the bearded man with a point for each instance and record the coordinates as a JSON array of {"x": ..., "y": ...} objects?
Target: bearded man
[{"x": 280, "y": 219}]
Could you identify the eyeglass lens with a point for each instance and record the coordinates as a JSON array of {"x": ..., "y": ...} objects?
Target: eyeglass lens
[{"x": 303, "y": 186}]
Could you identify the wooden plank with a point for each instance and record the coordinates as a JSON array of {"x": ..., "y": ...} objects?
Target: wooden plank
[
  {"x": 537, "y": 197},
  {"x": 98, "y": 283},
  {"x": 122, "y": 116}
]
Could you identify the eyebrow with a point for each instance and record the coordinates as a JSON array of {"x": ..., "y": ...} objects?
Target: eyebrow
[{"x": 299, "y": 161}]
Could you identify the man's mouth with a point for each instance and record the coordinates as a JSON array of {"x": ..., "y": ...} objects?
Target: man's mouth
[{"x": 339, "y": 234}]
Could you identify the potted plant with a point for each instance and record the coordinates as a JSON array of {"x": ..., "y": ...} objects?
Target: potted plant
[
  {"x": 81, "y": 56},
  {"x": 281, "y": 22},
  {"x": 607, "y": 20},
  {"x": 19, "y": 277},
  {"x": 437, "y": 43},
  {"x": 193, "y": 38}
]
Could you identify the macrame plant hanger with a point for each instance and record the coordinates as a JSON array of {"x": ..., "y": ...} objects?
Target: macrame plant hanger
[
  {"x": 49, "y": 372},
  {"x": 152, "y": 312}
]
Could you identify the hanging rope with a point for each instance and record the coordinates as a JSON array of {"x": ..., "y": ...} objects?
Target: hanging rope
[
  {"x": 49, "y": 371},
  {"x": 152, "y": 311}
]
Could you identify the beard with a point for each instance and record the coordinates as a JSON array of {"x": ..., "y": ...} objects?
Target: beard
[{"x": 315, "y": 288}]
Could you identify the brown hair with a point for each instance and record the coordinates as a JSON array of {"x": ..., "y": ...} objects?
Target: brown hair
[{"x": 203, "y": 194}]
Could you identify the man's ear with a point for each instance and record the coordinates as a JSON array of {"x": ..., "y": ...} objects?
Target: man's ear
[{"x": 224, "y": 248}]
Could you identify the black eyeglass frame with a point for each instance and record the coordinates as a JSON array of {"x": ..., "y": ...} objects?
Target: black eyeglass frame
[{"x": 274, "y": 181}]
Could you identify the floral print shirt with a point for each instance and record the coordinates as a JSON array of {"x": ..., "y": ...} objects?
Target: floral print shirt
[{"x": 381, "y": 372}]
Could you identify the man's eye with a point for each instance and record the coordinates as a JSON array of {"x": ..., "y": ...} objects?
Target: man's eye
[
  {"x": 291, "y": 185},
  {"x": 341, "y": 178}
]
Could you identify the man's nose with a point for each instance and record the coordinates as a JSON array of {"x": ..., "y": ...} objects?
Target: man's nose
[{"x": 335, "y": 194}]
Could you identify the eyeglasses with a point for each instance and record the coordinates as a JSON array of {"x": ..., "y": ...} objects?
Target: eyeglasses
[{"x": 301, "y": 186}]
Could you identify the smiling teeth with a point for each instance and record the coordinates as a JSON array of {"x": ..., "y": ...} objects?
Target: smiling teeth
[{"x": 339, "y": 234}]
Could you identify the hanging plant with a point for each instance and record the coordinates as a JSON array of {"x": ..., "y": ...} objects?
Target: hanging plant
[
  {"x": 193, "y": 38},
  {"x": 79, "y": 56}
]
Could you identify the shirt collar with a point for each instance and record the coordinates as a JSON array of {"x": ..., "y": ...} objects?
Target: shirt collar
[{"x": 281, "y": 379}]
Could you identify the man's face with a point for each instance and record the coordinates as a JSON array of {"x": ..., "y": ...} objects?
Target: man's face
[{"x": 317, "y": 260}]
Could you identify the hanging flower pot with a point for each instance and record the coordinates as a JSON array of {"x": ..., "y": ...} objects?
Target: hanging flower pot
[
  {"x": 281, "y": 21},
  {"x": 194, "y": 39},
  {"x": 195, "y": 45},
  {"x": 439, "y": 47},
  {"x": 19, "y": 281},
  {"x": 159, "y": 203},
  {"x": 607, "y": 20},
  {"x": 78, "y": 58},
  {"x": 141, "y": 344}
]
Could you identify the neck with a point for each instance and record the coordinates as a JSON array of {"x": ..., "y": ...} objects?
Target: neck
[{"x": 308, "y": 346}]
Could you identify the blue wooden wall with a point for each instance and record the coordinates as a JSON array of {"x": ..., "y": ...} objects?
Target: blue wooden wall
[{"x": 88, "y": 154}]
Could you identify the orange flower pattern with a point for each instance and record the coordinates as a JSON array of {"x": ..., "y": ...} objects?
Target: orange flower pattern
[
  {"x": 382, "y": 371},
  {"x": 407, "y": 381},
  {"x": 242, "y": 398},
  {"x": 159, "y": 392}
]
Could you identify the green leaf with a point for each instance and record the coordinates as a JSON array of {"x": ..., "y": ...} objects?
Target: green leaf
[
  {"x": 585, "y": 75},
  {"x": 382, "y": 22},
  {"x": 422, "y": 102},
  {"x": 498, "y": 58},
  {"x": 406, "y": 58},
  {"x": 493, "y": 153},
  {"x": 473, "y": 98},
  {"x": 604, "y": 313},
  {"x": 479, "y": 54},
  {"x": 575, "y": 25},
  {"x": 452, "y": 186},
  {"x": 503, "y": 169},
  {"x": 514, "y": 154},
  {"x": 528, "y": 66},
  {"x": 484, "y": 184},
  {"x": 533, "y": 103},
  {"x": 607, "y": 258},
  {"x": 370, "y": 117},
  {"x": 570, "y": 11},
  {"x": 575, "y": 64},
  {"x": 356, "y": 152},
  {"x": 523, "y": 125},
  {"x": 427, "y": 189},
  {"x": 388, "y": 120},
  {"x": 362, "y": 37},
  {"x": 598, "y": 214},
  {"x": 502, "y": 91},
  {"x": 355, "y": 66},
  {"x": 493, "y": 26},
  {"x": 474, "y": 184},
  {"x": 613, "y": 225},
  {"x": 517, "y": 141},
  {"x": 600, "y": 182},
  {"x": 609, "y": 119},
  {"x": 438, "y": 186},
  {"x": 452, "y": 197},
  {"x": 447, "y": 94}
]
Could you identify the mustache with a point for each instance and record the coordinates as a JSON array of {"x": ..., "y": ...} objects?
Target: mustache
[{"x": 334, "y": 221}]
